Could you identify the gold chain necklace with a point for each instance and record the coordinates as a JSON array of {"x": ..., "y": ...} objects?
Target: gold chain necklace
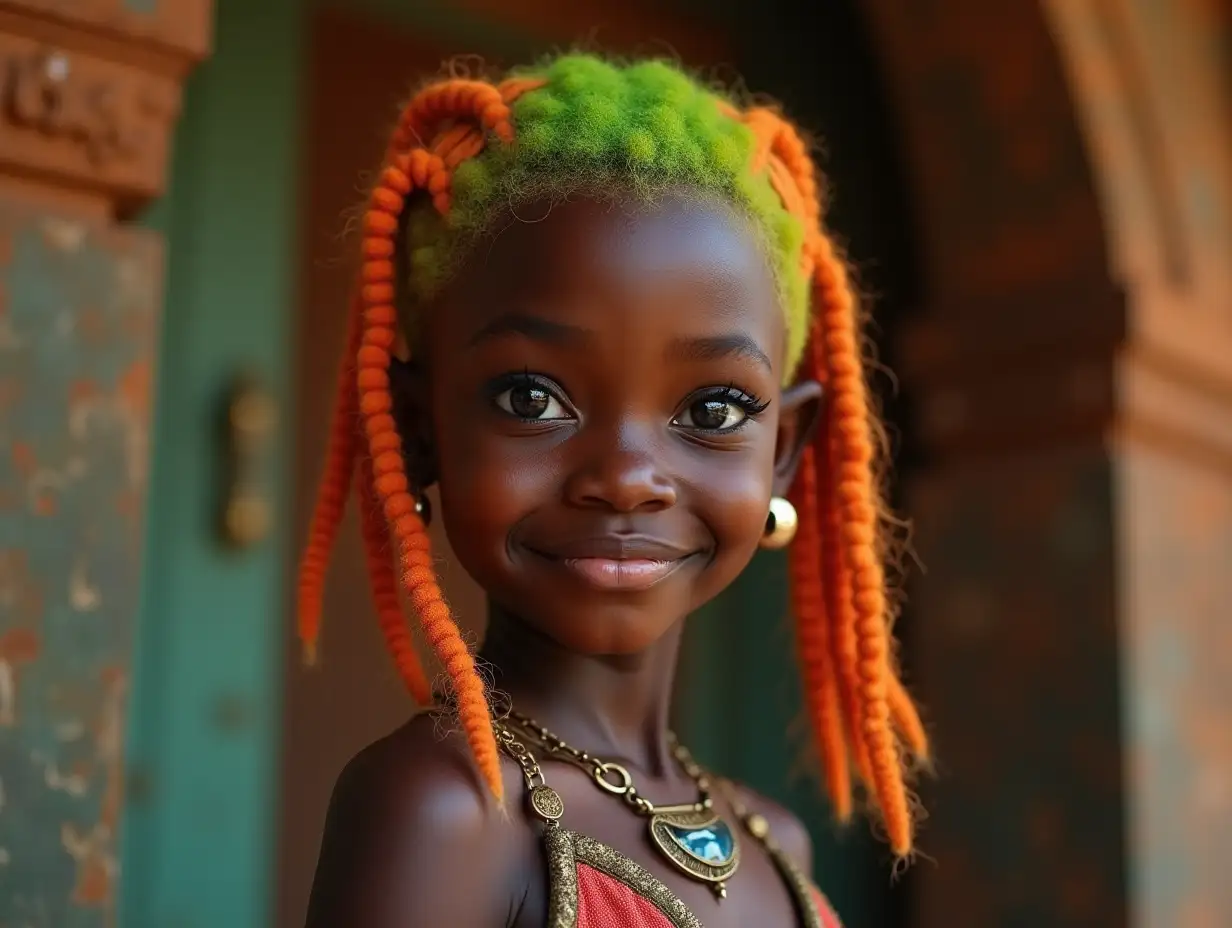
[{"x": 692, "y": 836}]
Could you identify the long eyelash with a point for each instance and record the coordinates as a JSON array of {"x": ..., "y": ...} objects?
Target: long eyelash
[
  {"x": 523, "y": 378},
  {"x": 752, "y": 404}
]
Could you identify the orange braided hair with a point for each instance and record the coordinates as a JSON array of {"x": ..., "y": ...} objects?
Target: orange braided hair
[
  {"x": 476, "y": 108},
  {"x": 855, "y": 699},
  {"x": 858, "y": 708}
]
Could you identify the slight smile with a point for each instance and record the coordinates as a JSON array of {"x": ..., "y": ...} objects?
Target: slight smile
[
  {"x": 617, "y": 563},
  {"x": 633, "y": 574}
]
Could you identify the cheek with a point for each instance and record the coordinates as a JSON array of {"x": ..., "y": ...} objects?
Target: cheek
[
  {"x": 734, "y": 497},
  {"x": 488, "y": 482}
]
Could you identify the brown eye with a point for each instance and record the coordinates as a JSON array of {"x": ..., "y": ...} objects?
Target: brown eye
[
  {"x": 529, "y": 400},
  {"x": 712, "y": 415},
  {"x": 720, "y": 409}
]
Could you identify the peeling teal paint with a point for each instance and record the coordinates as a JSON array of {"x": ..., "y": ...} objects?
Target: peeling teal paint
[{"x": 78, "y": 313}]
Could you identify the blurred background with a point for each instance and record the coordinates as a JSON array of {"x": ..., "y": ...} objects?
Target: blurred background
[{"x": 1037, "y": 197}]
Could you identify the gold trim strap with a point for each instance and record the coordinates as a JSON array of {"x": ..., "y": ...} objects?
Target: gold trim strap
[
  {"x": 566, "y": 849},
  {"x": 562, "y": 878},
  {"x": 799, "y": 887}
]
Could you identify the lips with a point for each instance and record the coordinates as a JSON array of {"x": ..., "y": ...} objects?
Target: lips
[
  {"x": 616, "y": 562},
  {"x": 614, "y": 547}
]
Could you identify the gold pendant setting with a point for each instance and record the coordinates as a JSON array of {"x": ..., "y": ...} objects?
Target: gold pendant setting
[{"x": 699, "y": 843}]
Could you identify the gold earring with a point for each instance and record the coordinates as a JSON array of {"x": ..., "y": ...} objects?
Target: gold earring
[{"x": 781, "y": 524}]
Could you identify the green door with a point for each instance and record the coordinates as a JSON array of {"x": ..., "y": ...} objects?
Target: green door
[{"x": 205, "y": 714}]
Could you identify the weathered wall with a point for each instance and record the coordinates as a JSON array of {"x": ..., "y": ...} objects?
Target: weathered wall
[
  {"x": 1072, "y": 163},
  {"x": 79, "y": 307},
  {"x": 90, "y": 93},
  {"x": 1176, "y": 589}
]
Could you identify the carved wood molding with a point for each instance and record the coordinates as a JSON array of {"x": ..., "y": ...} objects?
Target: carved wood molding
[
  {"x": 49, "y": 92},
  {"x": 1174, "y": 409},
  {"x": 84, "y": 108}
]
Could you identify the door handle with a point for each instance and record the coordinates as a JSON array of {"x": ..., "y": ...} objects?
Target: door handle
[{"x": 249, "y": 423}]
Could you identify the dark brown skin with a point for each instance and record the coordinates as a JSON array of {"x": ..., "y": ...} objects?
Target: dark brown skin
[{"x": 597, "y": 361}]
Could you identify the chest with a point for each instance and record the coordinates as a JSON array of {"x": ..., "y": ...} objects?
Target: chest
[{"x": 601, "y": 868}]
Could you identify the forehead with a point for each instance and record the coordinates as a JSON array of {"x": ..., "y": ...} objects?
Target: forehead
[{"x": 688, "y": 263}]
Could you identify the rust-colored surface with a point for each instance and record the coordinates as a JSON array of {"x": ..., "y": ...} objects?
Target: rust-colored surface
[
  {"x": 78, "y": 314},
  {"x": 1000, "y": 176},
  {"x": 1175, "y": 587},
  {"x": 1072, "y": 377},
  {"x": 1012, "y": 349},
  {"x": 1017, "y": 657}
]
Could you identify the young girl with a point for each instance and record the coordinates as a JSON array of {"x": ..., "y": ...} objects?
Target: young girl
[{"x": 598, "y": 310}]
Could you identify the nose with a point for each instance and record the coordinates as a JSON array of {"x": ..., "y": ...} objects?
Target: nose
[{"x": 621, "y": 472}]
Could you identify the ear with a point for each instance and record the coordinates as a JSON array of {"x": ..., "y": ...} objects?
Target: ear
[
  {"x": 799, "y": 415},
  {"x": 408, "y": 383}
]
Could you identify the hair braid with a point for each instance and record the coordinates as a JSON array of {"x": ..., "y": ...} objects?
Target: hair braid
[
  {"x": 331, "y": 498},
  {"x": 855, "y": 494},
  {"x": 783, "y": 156},
  {"x": 835, "y": 583},
  {"x": 384, "y": 584},
  {"x": 423, "y": 170},
  {"x": 839, "y": 522},
  {"x": 836, "y": 577},
  {"x": 907, "y": 719},
  {"x": 440, "y": 128},
  {"x": 813, "y": 645}
]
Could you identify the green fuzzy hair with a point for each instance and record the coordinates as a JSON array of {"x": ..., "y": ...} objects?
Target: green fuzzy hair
[{"x": 644, "y": 129}]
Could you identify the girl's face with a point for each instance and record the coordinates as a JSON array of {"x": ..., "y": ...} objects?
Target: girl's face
[{"x": 605, "y": 415}]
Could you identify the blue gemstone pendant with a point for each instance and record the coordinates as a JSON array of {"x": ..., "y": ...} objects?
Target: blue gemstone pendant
[{"x": 699, "y": 843}]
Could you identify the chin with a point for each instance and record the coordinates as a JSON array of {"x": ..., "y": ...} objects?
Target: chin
[
  {"x": 603, "y": 629},
  {"x": 614, "y": 640}
]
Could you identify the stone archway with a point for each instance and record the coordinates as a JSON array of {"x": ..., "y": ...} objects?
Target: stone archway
[{"x": 1072, "y": 370}]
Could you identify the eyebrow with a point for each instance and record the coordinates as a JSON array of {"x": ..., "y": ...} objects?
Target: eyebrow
[
  {"x": 715, "y": 347},
  {"x": 532, "y": 327}
]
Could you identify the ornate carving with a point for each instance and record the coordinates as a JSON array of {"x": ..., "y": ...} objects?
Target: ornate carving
[
  {"x": 78, "y": 120},
  {"x": 46, "y": 91}
]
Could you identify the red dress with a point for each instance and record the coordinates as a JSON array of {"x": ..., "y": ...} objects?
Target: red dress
[
  {"x": 593, "y": 886},
  {"x": 605, "y": 902}
]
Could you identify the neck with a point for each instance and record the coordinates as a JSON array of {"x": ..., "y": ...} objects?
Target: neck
[{"x": 615, "y": 707}]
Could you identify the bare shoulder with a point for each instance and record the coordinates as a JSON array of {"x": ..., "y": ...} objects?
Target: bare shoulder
[
  {"x": 412, "y": 839},
  {"x": 785, "y": 827}
]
